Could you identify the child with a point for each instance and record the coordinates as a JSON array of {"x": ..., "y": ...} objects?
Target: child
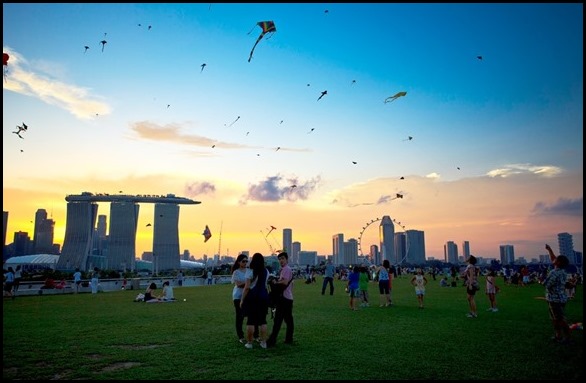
[
  {"x": 363, "y": 286},
  {"x": 419, "y": 281},
  {"x": 491, "y": 290},
  {"x": 555, "y": 294},
  {"x": 354, "y": 286}
]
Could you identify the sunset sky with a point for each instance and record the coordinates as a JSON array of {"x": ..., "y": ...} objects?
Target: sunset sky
[{"x": 486, "y": 145}]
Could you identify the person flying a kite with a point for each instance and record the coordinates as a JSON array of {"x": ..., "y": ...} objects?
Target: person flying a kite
[
  {"x": 267, "y": 27},
  {"x": 396, "y": 96}
]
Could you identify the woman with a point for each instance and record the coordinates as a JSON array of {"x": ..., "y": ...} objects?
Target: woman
[
  {"x": 471, "y": 277},
  {"x": 255, "y": 300},
  {"x": 149, "y": 294},
  {"x": 384, "y": 283},
  {"x": 239, "y": 280}
]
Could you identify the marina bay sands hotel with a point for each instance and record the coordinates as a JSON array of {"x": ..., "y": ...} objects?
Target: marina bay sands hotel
[{"x": 82, "y": 211}]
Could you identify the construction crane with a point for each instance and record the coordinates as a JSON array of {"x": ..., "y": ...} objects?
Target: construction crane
[{"x": 268, "y": 243}]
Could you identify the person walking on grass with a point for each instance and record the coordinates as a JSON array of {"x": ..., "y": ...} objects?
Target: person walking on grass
[
  {"x": 328, "y": 278},
  {"x": 384, "y": 282},
  {"x": 419, "y": 281},
  {"x": 363, "y": 286},
  {"x": 555, "y": 294}
]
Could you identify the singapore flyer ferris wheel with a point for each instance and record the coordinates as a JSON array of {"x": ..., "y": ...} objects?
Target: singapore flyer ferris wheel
[{"x": 403, "y": 245}]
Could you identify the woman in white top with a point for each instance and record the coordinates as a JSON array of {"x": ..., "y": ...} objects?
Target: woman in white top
[{"x": 239, "y": 280}]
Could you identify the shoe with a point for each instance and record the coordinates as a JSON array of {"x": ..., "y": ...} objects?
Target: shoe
[
  {"x": 242, "y": 340},
  {"x": 494, "y": 310},
  {"x": 470, "y": 315},
  {"x": 263, "y": 344},
  {"x": 248, "y": 345},
  {"x": 489, "y": 309},
  {"x": 381, "y": 306}
]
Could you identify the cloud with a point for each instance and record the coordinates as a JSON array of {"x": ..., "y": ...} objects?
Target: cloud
[
  {"x": 172, "y": 133},
  {"x": 563, "y": 206},
  {"x": 514, "y": 169},
  {"x": 25, "y": 78},
  {"x": 277, "y": 188},
  {"x": 198, "y": 188}
]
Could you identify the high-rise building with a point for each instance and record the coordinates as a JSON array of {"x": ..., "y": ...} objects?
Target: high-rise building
[
  {"x": 44, "y": 233},
  {"x": 122, "y": 239},
  {"x": 307, "y": 258},
  {"x": 507, "y": 254},
  {"x": 166, "y": 237},
  {"x": 566, "y": 246},
  {"x": 375, "y": 255},
  {"x": 387, "y": 239},
  {"x": 288, "y": 242},
  {"x": 100, "y": 236},
  {"x": 79, "y": 228},
  {"x": 295, "y": 249},
  {"x": 351, "y": 252},
  {"x": 451, "y": 252},
  {"x": 415, "y": 247},
  {"x": 401, "y": 248},
  {"x": 465, "y": 250},
  {"x": 338, "y": 249}
]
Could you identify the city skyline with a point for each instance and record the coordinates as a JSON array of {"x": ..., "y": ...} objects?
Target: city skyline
[{"x": 484, "y": 143}]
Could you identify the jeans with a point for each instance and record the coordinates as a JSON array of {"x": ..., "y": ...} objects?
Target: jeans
[
  {"x": 283, "y": 312},
  {"x": 327, "y": 280}
]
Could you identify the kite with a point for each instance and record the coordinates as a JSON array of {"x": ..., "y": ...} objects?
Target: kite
[
  {"x": 354, "y": 162},
  {"x": 148, "y": 224},
  {"x": 22, "y": 128},
  {"x": 322, "y": 94},
  {"x": 312, "y": 129},
  {"x": 278, "y": 147},
  {"x": 207, "y": 234},
  {"x": 103, "y": 42},
  {"x": 353, "y": 82},
  {"x": 5, "y": 58},
  {"x": 396, "y": 96},
  {"x": 479, "y": 57},
  {"x": 267, "y": 27},
  {"x": 272, "y": 228},
  {"x": 202, "y": 66},
  {"x": 85, "y": 48},
  {"x": 409, "y": 138},
  {"x": 233, "y": 122}
]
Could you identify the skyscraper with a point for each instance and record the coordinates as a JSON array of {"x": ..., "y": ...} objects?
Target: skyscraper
[
  {"x": 465, "y": 250},
  {"x": 451, "y": 252},
  {"x": 166, "y": 237},
  {"x": 374, "y": 255},
  {"x": 288, "y": 242},
  {"x": 387, "y": 239},
  {"x": 44, "y": 233},
  {"x": 338, "y": 249},
  {"x": 295, "y": 249},
  {"x": 566, "y": 245},
  {"x": 416, "y": 247},
  {"x": 79, "y": 228},
  {"x": 401, "y": 248},
  {"x": 123, "y": 225},
  {"x": 351, "y": 252},
  {"x": 507, "y": 254}
]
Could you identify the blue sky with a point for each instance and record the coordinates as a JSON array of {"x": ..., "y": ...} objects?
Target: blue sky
[{"x": 496, "y": 149}]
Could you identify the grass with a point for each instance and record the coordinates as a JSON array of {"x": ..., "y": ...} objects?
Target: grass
[{"x": 108, "y": 336}]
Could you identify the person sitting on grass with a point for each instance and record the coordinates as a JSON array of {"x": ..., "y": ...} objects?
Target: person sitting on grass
[
  {"x": 149, "y": 294},
  {"x": 167, "y": 295}
]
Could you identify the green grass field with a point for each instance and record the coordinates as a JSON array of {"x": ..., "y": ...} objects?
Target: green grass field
[{"x": 108, "y": 336}]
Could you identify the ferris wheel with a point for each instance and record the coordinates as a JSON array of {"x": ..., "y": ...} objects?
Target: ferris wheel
[{"x": 405, "y": 252}]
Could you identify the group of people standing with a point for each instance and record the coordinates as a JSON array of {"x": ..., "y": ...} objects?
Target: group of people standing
[{"x": 250, "y": 299}]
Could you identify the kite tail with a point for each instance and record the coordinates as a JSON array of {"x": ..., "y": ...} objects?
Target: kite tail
[{"x": 255, "y": 44}]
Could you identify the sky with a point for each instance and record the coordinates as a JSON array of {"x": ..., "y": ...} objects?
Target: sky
[{"x": 485, "y": 146}]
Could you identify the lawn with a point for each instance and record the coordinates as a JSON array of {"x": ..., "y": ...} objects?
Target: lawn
[{"x": 107, "y": 336}]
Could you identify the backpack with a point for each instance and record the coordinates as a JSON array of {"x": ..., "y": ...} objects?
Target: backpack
[{"x": 276, "y": 291}]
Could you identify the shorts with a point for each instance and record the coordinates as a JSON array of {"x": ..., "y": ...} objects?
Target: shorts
[{"x": 383, "y": 287}]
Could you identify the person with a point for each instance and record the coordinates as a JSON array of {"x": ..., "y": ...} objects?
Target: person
[
  {"x": 444, "y": 282},
  {"x": 383, "y": 283},
  {"x": 255, "y": 300},
  {"x": 9, "y": 282},
  {"x": 180, "y": 278},
  {"x": 363, "y": 286},
  {"x": 354, "y": 286},
  {"x": 167, "y": 295},
  {"x": 61, "y": 285},
  {"x": 77, "y": 279},
  {"x": 491, "y": 289},
  {"x": 17, "y": 279},
  {"x": 239, "y": 281},
  {"x": 419, "y": 281},
  {"x": 149, "y": 294},
  {"x": 210, "y": 277},
  {"x": 471, "y": 282},
  {"x": 95, "y": 280},
  {"x": 124, "y": 283},
  {"x": 328, "y": 278},
  {"x": 555, "y": 294},
  {"x": 284, "y": 308}
]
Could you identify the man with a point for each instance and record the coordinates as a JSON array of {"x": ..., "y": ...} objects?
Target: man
[
  {"x": 284, "y": 309},
  {"x": 555, "y": 294},
  {"x": 328, "y": 278}
]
